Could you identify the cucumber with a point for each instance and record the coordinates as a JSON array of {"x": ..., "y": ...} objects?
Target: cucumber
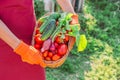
[
  {"x": 44, "y": 25},
  {"x": 49, "y": 30},
  {"x": 54, "y": 16}
]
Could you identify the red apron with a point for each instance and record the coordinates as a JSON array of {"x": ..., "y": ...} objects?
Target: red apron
[{"x": 19, "y": 16}]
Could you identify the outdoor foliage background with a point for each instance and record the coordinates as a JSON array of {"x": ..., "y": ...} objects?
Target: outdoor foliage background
[{"x": 100, "y": 21}]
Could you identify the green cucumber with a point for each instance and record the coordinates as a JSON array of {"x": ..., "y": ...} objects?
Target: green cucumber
[
  {"x": 44, "y": 25},
  {"x": 49, "y": 30},
  {"x": 54, "y": 16}
]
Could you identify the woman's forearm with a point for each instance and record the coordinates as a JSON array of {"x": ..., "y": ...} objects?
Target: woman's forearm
[
  {"x": 66, "y": 5},
  {"x": 7, "y": 36}
]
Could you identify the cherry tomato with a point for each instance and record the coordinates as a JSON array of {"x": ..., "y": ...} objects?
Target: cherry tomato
[
  {"x": 48, "y": 58},
  {"x": 58, "y": 39},
  {"x": 62, "y": 49},
  {"x": 55, "y": 57},
  {"x": 50, "y": 54},
  {"x": 45, "y": 54},
  {"x": 37, "y": 31},
  {"x": 37, "y": 35},
  {"x": 37, "y": 46},
  {"x": 38, "y": 40}
]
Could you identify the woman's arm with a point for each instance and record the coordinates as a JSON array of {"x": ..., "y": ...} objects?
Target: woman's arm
[
  {"x": 66, "y": 5},
  {"x": 7, "y": 36},
  {"x": 28, "y": 53}
]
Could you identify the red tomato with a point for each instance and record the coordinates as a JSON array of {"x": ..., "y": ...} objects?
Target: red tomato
[
  {"x": 38, "y": 35},
  {"x": 38, "y": 40},
  {"x": 55, "y": 57},
  {"x": 37, "y": 31},
  {"x": 62, "y": 49},
  {"x": 45, "y": 54},
  {"x": 58, "y": 39},
  {"x": 37, "y": 46},
  {"x": 50, "y": 54},
  {"x": 48, "y": 58}
]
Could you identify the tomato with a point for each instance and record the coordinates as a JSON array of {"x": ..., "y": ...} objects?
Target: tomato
[
  {"x": 38, "y": 35},
  {"x": 38, "y": 40},
  {"x": 50, "y": 54},
  {"x": 45, "y": 54},
  {"x": 37, "y": 46},
  {"x": 62, "y": 49},
  {"x": 37, "y": 31},
  {"x": 58, "y": 39},
  {"x": 48, "y": 58},
  {"x": 55, "y": 57}
]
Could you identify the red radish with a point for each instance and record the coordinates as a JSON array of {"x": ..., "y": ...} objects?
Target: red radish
[
  {"x": 56, "y": 45},
  {"x": 54, "y": 52},
  {"x": 52, "y": 47},
  {"x": 62, "y": 49},
  {"x": 46, "y": 45}
]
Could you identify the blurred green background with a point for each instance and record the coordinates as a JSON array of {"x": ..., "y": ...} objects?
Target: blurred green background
[{"x": 100, "y": 21}]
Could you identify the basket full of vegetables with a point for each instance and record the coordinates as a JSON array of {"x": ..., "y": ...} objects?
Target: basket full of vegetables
[{"x": 55, "y": 35}]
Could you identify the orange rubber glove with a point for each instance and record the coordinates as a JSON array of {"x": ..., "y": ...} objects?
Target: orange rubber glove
[
  {"x": 74, "y": 19},
  {"x": 29, "y": 54},
  {"x": 73, "y": 22}
]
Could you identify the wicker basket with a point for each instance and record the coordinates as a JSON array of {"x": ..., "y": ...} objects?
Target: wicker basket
[{"x": 57, "y": 63}]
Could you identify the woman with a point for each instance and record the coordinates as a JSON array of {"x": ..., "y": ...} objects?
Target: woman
[{"x": 17, "y": 22}]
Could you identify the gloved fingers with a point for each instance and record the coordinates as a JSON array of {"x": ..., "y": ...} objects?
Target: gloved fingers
[{"x": 74, "y": 19}]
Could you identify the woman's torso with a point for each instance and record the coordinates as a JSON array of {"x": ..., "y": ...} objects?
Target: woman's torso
[{"x": 19, "y": 16}]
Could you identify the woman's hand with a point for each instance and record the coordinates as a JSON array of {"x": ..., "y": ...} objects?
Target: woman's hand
[{"x": 29, "y": 54}]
